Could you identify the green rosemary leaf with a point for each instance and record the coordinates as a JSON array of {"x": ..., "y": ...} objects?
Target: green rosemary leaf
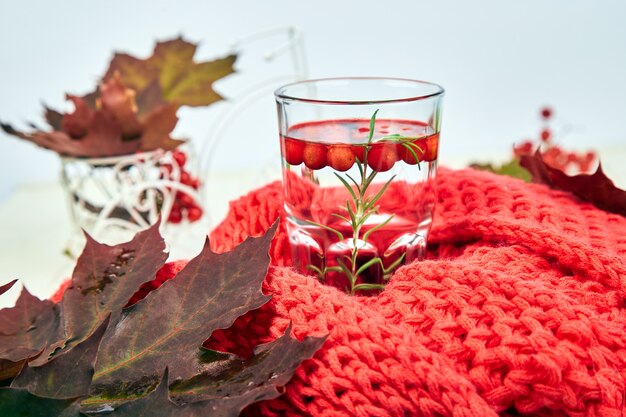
[
  {"x": 339, "y": 216},
  {"x": 364, "y": 287},
  {"x": 359, "y": 165},
  {"x": 353, "y": 180},
  {"x": 351, "y": 213},
  {"x": 323, "y": 226},
  {"x": 394, "y": 264},
  {"x": 372, "y": 125},
  {"x": 368, "y": 181},
  {"x": 375, "y": 228},
  {"x": 348, "y": 186},
  {"x": 379, "y": 194},
  {"x": 319, "y": 272},
  {"x": 369, "y": 263}
]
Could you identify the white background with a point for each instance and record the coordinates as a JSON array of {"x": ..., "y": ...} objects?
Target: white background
[{"x": 499, "y": 61}]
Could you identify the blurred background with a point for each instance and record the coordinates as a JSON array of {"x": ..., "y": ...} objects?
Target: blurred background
[{"x": 499, "y": 61}]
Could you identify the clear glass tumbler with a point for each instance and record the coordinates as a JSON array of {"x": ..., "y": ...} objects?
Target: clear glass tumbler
[{"x": 359, "y": 158}]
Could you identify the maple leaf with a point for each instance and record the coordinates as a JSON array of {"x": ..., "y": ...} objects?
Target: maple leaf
[
  {"x": 250, "y": 380},
  {"x": 27, "y": 328},
  {"x": 180, "y": 78},
  {"x": 106, "y": 277},
  {"x": 66, "y": 376},
  {"x": 595, "y": 188},
  {"x": 134, "y": 107},
  {"x": 165, "y": 330},
  {"x": 208, "y": 294},
  {"x": 158, "y": 404},
  {"x": 20, "y": 403},
  {"x": 6, "y": 287}
]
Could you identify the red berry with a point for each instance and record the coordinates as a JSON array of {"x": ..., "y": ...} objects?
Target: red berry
[
  {"x": 546, "y": 134},
  {"x": 572, "y": 157},
  {"x": 194, "y": 213},
  {"x": 293, "y": 151},
  {"x": 340, "y": 157},
  {"x": 186, "y": 200},
  {"x": 180, "y": 158},
  {"x": 408, "y": 156},
  {"x": 430, "y": 145},
  {"x": 590, "y": 156},
  {"x": 314, "y": 155},
  {"x": 382, "y": 157},
  {"x": 185, "y": 178},
  {"x": 167, "y": 168},
  {"x": 176, "y": 215},
  {"x": 524, "y": 148},
  {"x": 358, "y": 151},
  {"x": 546, "y": 113}
]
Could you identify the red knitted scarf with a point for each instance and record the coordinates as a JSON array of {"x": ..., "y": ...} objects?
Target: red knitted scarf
[{"x": 518, "y": 310}]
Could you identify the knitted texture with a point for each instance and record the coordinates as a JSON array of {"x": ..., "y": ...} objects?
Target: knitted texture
[{"x": 519, "y": 309}]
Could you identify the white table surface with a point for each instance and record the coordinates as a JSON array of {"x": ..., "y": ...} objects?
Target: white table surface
[{"x": 35, "y": 227}]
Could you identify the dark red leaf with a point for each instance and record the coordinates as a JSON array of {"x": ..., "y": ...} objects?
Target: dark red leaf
[
  {"x": 157, "y": 127},
  {"x": 77, "y": 123},
  {"x": 167, "y": 328},
  {"x": 595, "y": 188},
  {"x": 27, "y": 328},
  {"x": 231, "y": 384},
  {"x": 120, "y": 102},
  {"x": 65, "y": 376},
  {"x": 158, "y": 404},
  {"x": 105, "y": 277},
  {"x": 21, "y": 403},
  {"x": 6, "y": 287}
]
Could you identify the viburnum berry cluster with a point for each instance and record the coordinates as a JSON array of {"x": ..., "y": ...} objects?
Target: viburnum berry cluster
[
  {"x": 554, "y": 155},
  {"x": 185, "y": 205}
]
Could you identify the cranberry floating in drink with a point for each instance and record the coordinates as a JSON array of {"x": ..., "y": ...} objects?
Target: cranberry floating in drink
[{"x": 359, "y": 158}]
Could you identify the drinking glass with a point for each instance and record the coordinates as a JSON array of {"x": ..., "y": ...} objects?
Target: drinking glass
[{"x": 359, "y": 159}]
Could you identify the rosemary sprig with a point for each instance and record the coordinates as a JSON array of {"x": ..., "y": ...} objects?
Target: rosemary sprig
[{"x": 364, "y": 207}]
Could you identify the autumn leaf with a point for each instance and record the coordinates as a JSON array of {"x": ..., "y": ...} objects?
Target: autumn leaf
[
  {"x": 134, "y": 107},
  {"x": 208, "y": 294},
  {"x": 181, "y": 79},
  {"x": 65, "y": 376},
  {"x": 27, "y": 328},
  {"x": 250, "y": 380},
  {"x": 20, "y": 403},
  {"x": 158, "y": 404},
  {"x": 595, "y": 188},
  {"x": 6, "y": 287},
  {"x": 106, "y": 277},
  {"x": 114, "y": 367}
]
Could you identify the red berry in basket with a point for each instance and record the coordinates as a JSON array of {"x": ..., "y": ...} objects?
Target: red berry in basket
[
  {"x": 293, "y": 151},
  {"x": 180, "y": 158},
  {"x": 176, "y": 215},
  {"x": 359, "y": 152},
  {"x": 185, "y": 178},
  {"x": 186, "y": 200},
  {"x": 340, "y": 157},
  {"x": 194, "y": 213},
  {"x": 314, "y": 155},
  {"x": 382, "y": 157},
  {"x": 167, "y": 168}
]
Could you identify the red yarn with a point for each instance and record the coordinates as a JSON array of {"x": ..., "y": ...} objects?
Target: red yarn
[{"x": 519, "y": 309}]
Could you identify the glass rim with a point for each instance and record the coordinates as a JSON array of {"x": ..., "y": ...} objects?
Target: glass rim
[{"x": 281, "y": 96}]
